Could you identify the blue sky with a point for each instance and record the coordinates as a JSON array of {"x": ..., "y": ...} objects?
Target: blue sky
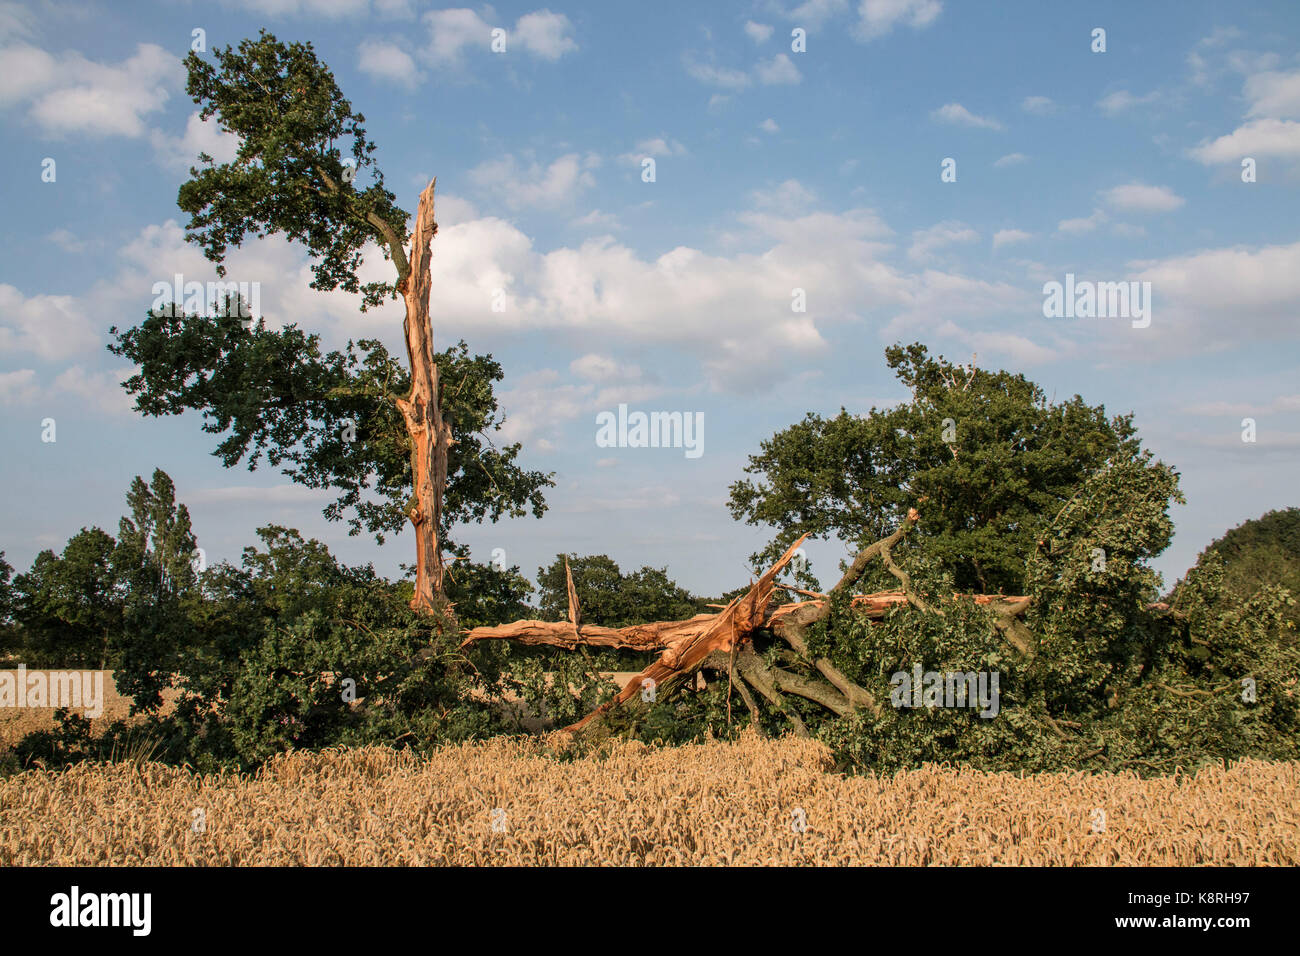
[{"x": 775, "y": 169}]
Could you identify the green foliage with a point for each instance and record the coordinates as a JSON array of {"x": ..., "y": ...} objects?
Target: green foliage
[
  {"x": 1114, "y": 682},
  {"x": 609, "y": 597},
  {"x": 154, "y": 563},
  {"x": 8, "y": 603},
  {"x": 68, "y": 606},
  {"x": 484, "y": 594},
  {"x": 1261, "y": 552},
  {"x": 294, "y": 650},
  {"x": 329, "y": 421},
  {"x": 288, "y": 176},
  {"x": 992, "y": 457}
]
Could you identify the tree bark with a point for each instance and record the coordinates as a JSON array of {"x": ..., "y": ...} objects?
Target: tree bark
[{"x": 429, "y": 429}]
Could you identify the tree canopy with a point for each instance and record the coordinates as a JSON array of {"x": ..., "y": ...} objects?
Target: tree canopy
[{"x": 993, "y": 459}]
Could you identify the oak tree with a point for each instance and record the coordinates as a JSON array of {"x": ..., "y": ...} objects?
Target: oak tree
[{"x": 400, "y": 444}]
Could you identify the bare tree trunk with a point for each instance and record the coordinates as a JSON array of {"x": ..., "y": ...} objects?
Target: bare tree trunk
[{"x": 429, "y": 429}]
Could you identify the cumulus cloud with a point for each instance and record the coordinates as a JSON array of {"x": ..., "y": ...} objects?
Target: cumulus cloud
[
  {"x": 387, "y": 61},
  {"x": 200, "y": 136},
  {"x": 655, "y": 146},
  {"x": 1121, "y": 100},
  {"x": 926, "y": 241},
  {"x": 329, "y": 9},
  {"x": 1005, "y": 237},
  {"x": 778, "y": 71},
  {"x": 542, "y": 34},
  {"x": 758, "y": 32},
  {"x": 19, "y": 387},
  {"x": 1082, "y": 224},
  {"x": 100, "y": 390},
  {"x": 724, "y": 77},
  {"x": 70, "y": 95},
  {"x": 48, "y": 326},
  {"x": 1273, "y": 94},
  {"x": 1139, "y": 197},
  {"x": 879, "y": 17},
  {"x": 520, "y": 186},
  {"x": 1264, "y": 137},
  {"x": 958, "y": 115},
  {"x": 1224, "y": 297},
  {"x": 1038, "y": 105}
]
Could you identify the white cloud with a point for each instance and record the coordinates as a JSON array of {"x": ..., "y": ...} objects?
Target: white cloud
[
  {"x": 655, "y": 146},
  {"x": 540, "y": 401},
  {"x": 780, "y": 70},
  {"x": 1005, "y": 237},
  {"x": 1139, "y": 197},
  {"x": 599, "y": 220},
  {"x": 1011, "y": 159},
  {"x": 70, "y": 95},
  {"x": 201, "y": 136},
  {"x": 878, "y": 17},
  {"x": 1021, "y": 350},
  {"x": 724, "y": 77},
  {"x": 958, "y": 115},
  {"x": 926, "y": 241},
  {"x": 1225, "y": 297},
  {"x": 330, "y": 9},
  {"x": 813, "y": 13},
  {"x": 50, "y": 326},
  {"x": 1081, "y": 225},
  {"x": 758, "y": 32},
  {"x": 1274, "y": 95},
  {"x": 1038, "y": 105},
  {"x": 388, "y": 61},
  {"x": 1282, "y": 403},
  {"x": 1121, "y": 100},
  {"x": 101, "y": 390},
  {"x": 519, "y": 187},
  {"x": 452, "y": 209},
  {"x": 769, "y": 126},
  {"x": 68, "y": 241},
  {"x": 789, "y": 198},
  {"x": 1274, "y": 104},
  {"x": 18, "y": 387},
  {"x": 602, "y": 369},
  {"x": 1265, "y": 137},
  {"x": 451, "y": 31},
  {"x": 544, "y": 34}
]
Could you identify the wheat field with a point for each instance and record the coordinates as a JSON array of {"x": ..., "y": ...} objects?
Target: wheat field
[{"x": 510, "y": 801}]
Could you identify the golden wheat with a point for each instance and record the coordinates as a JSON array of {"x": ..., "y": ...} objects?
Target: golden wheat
[{"x": 753, "y": 801}]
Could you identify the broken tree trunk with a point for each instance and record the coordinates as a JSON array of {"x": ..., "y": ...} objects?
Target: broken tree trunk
[
  {"x": 429, "y": 429},
  {"x": 723, "y": 642},
  {"x": 685, "y": 656}
]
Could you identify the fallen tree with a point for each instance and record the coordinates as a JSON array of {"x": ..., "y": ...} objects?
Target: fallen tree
[{"x": 724, "y": 642}]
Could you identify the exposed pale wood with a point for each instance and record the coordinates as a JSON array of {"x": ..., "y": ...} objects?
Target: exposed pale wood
[
  {"x": 741, "y": 616},
  {"x": 429, "y": 429},
  {"x": 638, "y": 637}
]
